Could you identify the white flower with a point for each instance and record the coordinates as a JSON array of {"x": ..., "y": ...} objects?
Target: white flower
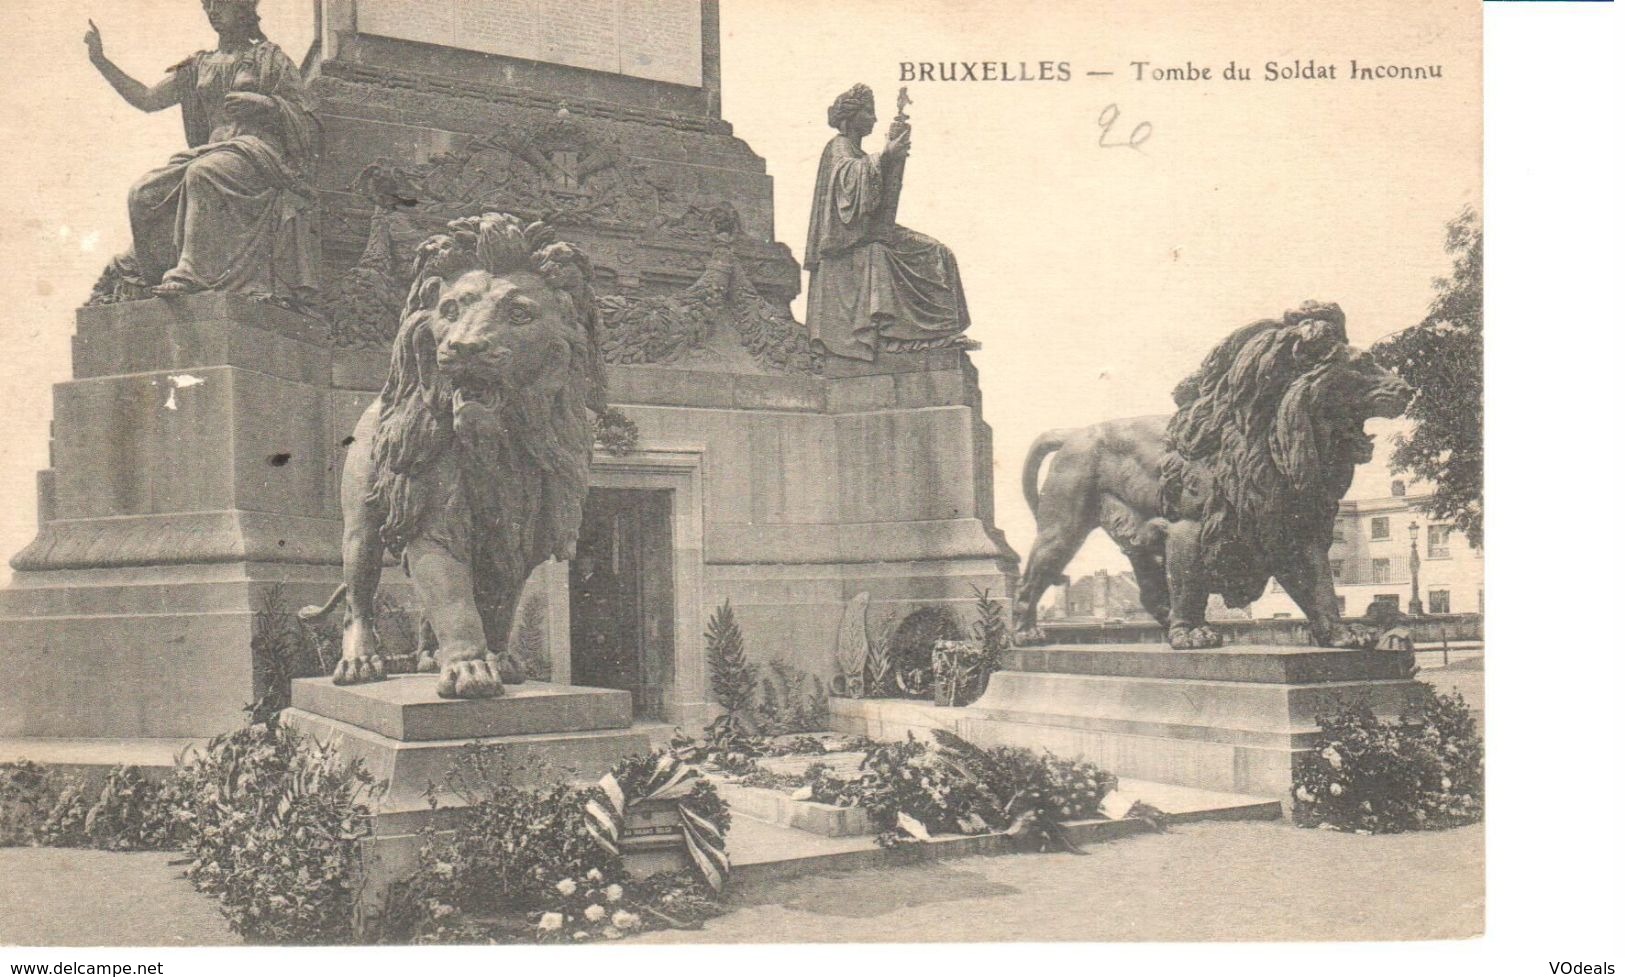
[
  {"x": 566, "y": 887},
  {"x": 594, "y": 913},
  {"x": 1337, "y": 790},
  {"x": 611, "y": 933},
  {"x": 1332, "y": 757},
  {"x": 1444, "y": 783},
  {"x": 579, "y": 935},
  {"x": 614, "y": 892},
  {"x": 551, "y": 921},
  {"x": 593, "y": 875},
  {"x": 625, "y": 920},
  {"x": 1304, "y": 795}
]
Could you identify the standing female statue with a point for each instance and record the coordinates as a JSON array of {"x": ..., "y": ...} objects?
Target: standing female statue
[{"x": 233, "y": 213}]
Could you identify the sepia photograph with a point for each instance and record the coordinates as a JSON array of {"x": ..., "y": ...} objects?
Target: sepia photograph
[{"x": 527, "y": 472}]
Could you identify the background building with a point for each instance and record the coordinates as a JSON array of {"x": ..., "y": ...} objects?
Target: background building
[{"x": 1371, "y": 557}]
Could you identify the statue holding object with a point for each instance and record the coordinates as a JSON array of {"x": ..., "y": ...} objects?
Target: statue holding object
[
  {"x": 1242, "y": 484},
  {"x": 234, "y": 212},
  {"x": 874, "y": 285}
]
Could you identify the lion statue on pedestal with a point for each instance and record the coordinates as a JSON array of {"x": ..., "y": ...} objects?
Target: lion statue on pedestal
[
  {"x": 472, "y": 463},
  {"x": 1240, "y": 485}
]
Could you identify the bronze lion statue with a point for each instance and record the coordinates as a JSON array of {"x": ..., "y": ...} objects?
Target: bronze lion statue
[
  {"x": 1240, "y": 485},
  {"x": 472, "y": 463}
]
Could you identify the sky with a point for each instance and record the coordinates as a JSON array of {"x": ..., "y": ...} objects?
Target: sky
[{"x": 1096, "y": 276}]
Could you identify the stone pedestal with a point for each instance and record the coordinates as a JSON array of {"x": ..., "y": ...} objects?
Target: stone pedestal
[
  {"x": 1233, "y": 719},
  {"x": 192, "y": 475},
  {"x": 407, "y": 735}
]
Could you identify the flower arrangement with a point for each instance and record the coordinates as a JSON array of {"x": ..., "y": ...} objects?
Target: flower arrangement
[
  {"x": 912, "y": 645},
  {"x": 1370, "y": 776},
  {"x": 549, "y": 857},
  {"x": 959, "y": 671},
  {"x": 915, "y": 789}
]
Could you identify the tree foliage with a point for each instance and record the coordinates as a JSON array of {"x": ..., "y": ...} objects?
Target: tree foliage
[
  {"x": 733, "y": 677},
  {"x": 1443, "y": 358}
]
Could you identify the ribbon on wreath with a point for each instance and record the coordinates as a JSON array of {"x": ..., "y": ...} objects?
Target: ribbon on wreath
[{"x": 672, "y": 780}]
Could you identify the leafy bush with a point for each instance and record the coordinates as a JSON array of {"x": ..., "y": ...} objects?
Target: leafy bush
[
  {"x": 132, "y": 812},
  {"x": 273, "y": 822},
  {"x": 282, "y": 649},
  {"x": 525, "y": 853},
  {"x": 733, "y": 677},
  {"x": 128, "y": 812},
  {"x": 1372, "y": 776},
  {"x": 26, "y": 797},
  {"x": 792, "y": 701}
]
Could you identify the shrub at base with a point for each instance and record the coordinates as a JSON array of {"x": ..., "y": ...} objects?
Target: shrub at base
[
  {"x": 127, "y": 812},
  {"x": 521, "y": 865},
  {"x": 1375, "y": 777},
  {"x": 273, "y": 822}
]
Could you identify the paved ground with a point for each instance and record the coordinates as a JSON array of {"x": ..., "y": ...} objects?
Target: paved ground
[
  {"x": 72, "y": 897},
  {"x": 1213, "y": 881}
]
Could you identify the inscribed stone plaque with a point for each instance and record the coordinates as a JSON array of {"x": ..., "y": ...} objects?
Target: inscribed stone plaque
[{"x": 655, "y": 39}]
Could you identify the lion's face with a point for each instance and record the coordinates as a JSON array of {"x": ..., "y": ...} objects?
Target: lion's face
[
  {"x": 501, "y": 332},
  {"x": 1352, "y": 389}
]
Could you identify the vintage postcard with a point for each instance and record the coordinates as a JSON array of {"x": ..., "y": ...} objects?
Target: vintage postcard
[{"x": 681, "y": 471}]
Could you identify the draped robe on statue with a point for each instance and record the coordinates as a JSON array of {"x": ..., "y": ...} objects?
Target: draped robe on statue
[
  {"x": 874, "y": 285},
  {"x": 233, "y": 213}
]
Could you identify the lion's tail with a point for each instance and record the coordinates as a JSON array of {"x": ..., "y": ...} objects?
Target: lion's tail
[
  {"x": 314, "y": 613},
  {"x": 1046, "y": 444}
]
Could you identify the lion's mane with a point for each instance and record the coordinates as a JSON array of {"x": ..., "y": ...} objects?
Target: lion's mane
[
  {"x": 521, "y": 468},
  {"x": 1248, "y": 446}
]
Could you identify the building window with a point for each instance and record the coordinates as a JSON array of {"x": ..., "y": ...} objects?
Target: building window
[
  {"x": 1337, "y": 570},
  {"x": 1438, "y": 542},
  {"x": 1390, "y": 599},
  {"x": 1379, "y": 570},
  {"x": 1342, "y": 606},
  {"x": 1438, "y": 602},
  {"x": 1397, "y": 487},
  {"x": 1379, "y": 527}
]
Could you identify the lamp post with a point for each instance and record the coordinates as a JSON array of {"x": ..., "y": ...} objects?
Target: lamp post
[{"x": 1416, "y": 572}]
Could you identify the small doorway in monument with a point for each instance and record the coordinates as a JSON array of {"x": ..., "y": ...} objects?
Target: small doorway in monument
[{"x": 621, "y": 597}]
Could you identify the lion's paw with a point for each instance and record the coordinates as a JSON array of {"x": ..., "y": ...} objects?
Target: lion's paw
[
  {"x": 1182, "y": 638},
  {"x": 1354, "y": 636},
  {"x": 510, "y": 668},
  {"x": 427, "y": 665},
  {"x": 355, "y": 671},
  {"x": 1029, "y": 636},
  {"x": 476, "y": 679},
  {"x": 1205, "y": 637}
]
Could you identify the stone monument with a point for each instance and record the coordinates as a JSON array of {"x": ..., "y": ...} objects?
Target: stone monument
[
  {"x": 472, "y": 464},
  {"x": 199, "y": 449},
  {"x": 1240, "y": 485}
]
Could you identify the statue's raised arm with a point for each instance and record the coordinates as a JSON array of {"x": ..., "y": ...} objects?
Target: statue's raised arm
[
  {"x": 156, "y": 98},
  {"x": 234, "y": 212},
  {"x": 875, "y": 286}
]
